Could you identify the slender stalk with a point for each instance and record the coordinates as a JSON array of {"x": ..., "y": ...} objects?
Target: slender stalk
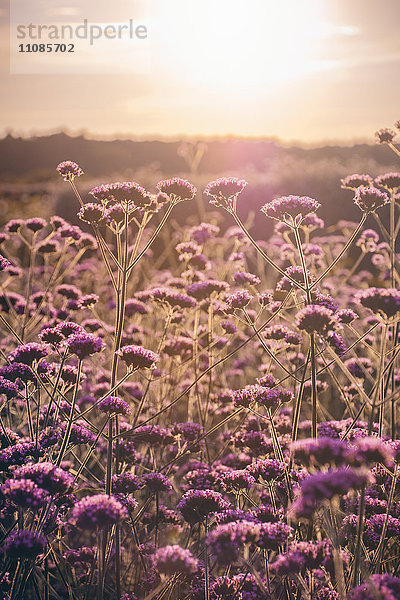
[
  {"x": 342, "y": 252},
  {"x": 206, "y": 565},
  {"x": 265, "y": 256},
  {"x": 153, "y": 237},
  {"x": 67, "y": 434}
]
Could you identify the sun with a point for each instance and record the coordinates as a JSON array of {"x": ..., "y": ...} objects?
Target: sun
[{"x": 238, "y": 46}]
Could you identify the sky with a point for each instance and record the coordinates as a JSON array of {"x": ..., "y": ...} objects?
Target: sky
[{"x": 298, "y": 70}]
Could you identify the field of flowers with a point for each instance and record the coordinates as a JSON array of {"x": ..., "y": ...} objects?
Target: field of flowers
[{"x": 203, "y": 418}]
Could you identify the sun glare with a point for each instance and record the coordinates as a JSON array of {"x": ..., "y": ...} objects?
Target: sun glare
[{"x": 257, "y": 44}]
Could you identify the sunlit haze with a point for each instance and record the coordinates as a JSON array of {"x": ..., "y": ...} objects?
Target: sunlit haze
[{"x": 309, "y": 70}]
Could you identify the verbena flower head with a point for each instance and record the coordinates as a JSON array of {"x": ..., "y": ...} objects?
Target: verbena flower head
[
  {"x": 35, "y": 224},
  {"x": 24, "y": 493},
  {"x": 24, "y": 544},
  {"x": 382, "y": 301},
  {"x": 300, "y": 556},
  {"x": 315, "y": 319},
  {"x": 137, "y": 357},
  {"x": 97, "y": 512},
  {"x": 28, "y": 353},
  {"x": 171, "y": 560},
  {"x": 49, "y": 247},
  {"x": 203, "y": 289},
  {"x": 69, "y": 170},
  {"x": 47, "y": 476},
  {"x": 80, "y": 556},
  {"x": 336, "y": 342},
  {"x": 114, "y": 405},
  {"x": 91, "y": 212},
  {"x": 84, "y": 344},
  {"x": 125, "y": 483},
  {"x": 172, "y": 298},
  {"x": 319, "y": 452},
  {"x": 355, "y": 181},
  {"x": 196, "y": 505},
  {"x": 290, "y": 209},
  {"x": 237, "y": 480},
  {"x": 239, "y": 299},
  {"x": 389, "y": 181},
  {"x": 385, "y": 135},
  {"x": 157, "y": 482},
  {"x": 177, "y": 189},
  {"x": 378, "y": 587},
  {"x": 8, "y": 388},
  {"x": 369, "y": 199},
  {"x": 228, "y": 540},
  {"x": 225, "y": 191},
  {"x": 316, "y": 488}
]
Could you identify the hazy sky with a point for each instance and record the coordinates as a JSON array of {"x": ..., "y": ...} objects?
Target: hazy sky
[{"x": 305, "y": 70}]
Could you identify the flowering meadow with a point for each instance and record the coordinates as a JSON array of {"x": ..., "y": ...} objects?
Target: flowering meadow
[{"x": 218, "y": 421}]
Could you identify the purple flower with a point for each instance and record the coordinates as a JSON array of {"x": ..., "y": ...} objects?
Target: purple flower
[
  {"x": 369, "y": 450},
  {"x": 177, "y": 189},
  {"x": 295, "y": 273},
  {"x": 315, "y": 319},
  {"x": 268, "y": 469},
  {"x": 28, "y": 353},
  {"x": 170, "y": 560},
  {"x": 203, "y": 289},
  {"x": 379, "y": 587},
  {"x": 172, "y": 298},
  {"x": 91, "y": 212},
  {"x": 24, "y": 544},
  {"x": 239, "y": 299},
  {"x": 300, "y": 556},
  {"x": 47, "y": 476},
  {"x": 346, "y": 316},
  {"x": 225, "y": 191},
  {"x": 80, "y": 556},
  {"x": 114, "y": 405},
  {"x": 18, "y": 454},
  {"x": 355, "y": 181},
  {"x": 290, "y": 209},
  {"x": 228, "y": 540},
  {"x": 135, "y": 307},
  {"x": 125, "y": 192},
  {"x": 18, "y": 371},
  {"x": 203, "y": 232},
  {"x": 336, "y": 342},
  {"x": 35, "y": 224},
  {"x": 137, "y": 357},
  {"x": 237, "y": 480},
  {"x": 24, "y": 493},
  {"x": 196, "y": 505},
  {"x": 324, "y": 486},
  {"x": 84, "y": 344},
  {"x": 97, "y": 512},
  {"x": 389, "y": 181},
  {"x": 385, "y": 136},
  {"x": 49, "y": 247},
  {"x": 321, "y": 451},
  {"x": 8, "y": 388},
  {"x": 157, "y": 482},
  {"x": 69, "y": 170},
  {"x": 273, "y": 535},
  {"x": 369, "y": 199},
  {"x": 384, "y": 301},
  {"x": 4, "y": 263},
  {"x": 242, "y": 277},
  {"x": 125, "y": 483}
]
